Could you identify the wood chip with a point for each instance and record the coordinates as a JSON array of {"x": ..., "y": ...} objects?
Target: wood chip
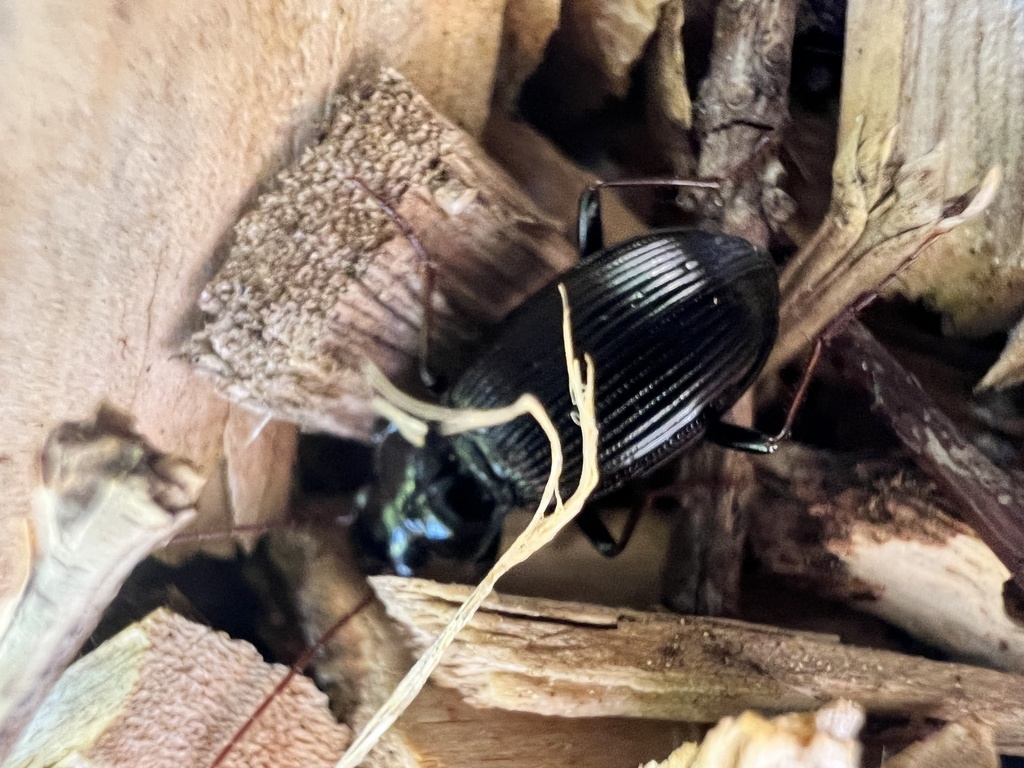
[
  {"x": 823, "y": 739},
  {"x": 965, "y": 744},
  {"x": 168, "y": 692}
]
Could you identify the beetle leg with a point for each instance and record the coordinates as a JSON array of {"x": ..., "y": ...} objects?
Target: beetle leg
[
  {"x": 593, "y": 527},
  {"x": 588, "y": 222},
  {"x": 741, "y": 438},
  {"x": 428, "y": 272}
]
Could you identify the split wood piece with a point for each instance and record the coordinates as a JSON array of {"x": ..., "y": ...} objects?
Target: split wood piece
[
  {"x": 1008, "y": 370},
  {"x": 362, "y": 664},
  {"x": 963, "y": 744},
  {"x": 526, "y": 28},
  {"x": 669, "y": 108},
  {"x": 319, "y": 279},
  {"x": 132, "y": 137},
  {"x": 741, "y": 103},
  {"x": 610, "y": 36},
  {"x": 880, "y": 538},
  {"x": 882, "y": 213},
  {"x": 823, "y": 739},
  {"x": 989, "y": 499},
  {"x": 449, "y": 733},
  {"x": 109, "y": 500},
  {"x": 168, "y": 692},
  {"x": 575, "y": 660},
  {"x": 950, "y": 75}
]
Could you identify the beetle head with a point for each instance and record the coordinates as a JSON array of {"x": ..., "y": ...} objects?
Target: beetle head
[{"x": 424, "y": 504}]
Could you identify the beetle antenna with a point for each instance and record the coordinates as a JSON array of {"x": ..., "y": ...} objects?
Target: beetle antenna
[
  {"x": 838, "y": 324},
  {"x": 955, "y": 211},
  {"x": 428, "y": 272},
  {"x": 687, "y": 183}
]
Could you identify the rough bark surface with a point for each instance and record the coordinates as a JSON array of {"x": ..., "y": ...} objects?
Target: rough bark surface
[
  {"x": 741, "y": 103},
  {"x": 879, "y": 537},
  {"x": 990, "y": 499},
  {"x": 319, "y": 279}
]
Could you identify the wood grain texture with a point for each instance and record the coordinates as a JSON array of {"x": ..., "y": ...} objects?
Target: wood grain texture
[
  {"x": 108, "y": 501},
  {"x": 169, "y": 692},
  {"x": 319, "y": 279},
  {"x": 134, "y": 133},
  {"x": 575, "y": 660},
  {"x": 950, "y": 73},
  {"x": 449, "y": 733},
  {"x": 879, "y": 537}
]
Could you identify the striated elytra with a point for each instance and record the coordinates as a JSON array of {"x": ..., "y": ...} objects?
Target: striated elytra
[{"x": 679, "y": 323}]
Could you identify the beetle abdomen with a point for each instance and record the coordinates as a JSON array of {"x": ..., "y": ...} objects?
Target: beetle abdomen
[{"x": 679, "y": 323}]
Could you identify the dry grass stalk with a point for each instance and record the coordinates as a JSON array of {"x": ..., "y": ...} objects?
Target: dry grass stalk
[{"x": 541, "y": 530}]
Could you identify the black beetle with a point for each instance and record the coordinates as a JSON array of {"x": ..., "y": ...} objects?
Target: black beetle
[{"x": 679, "y": 323}]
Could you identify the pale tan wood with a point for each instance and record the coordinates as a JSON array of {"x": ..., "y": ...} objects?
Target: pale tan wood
[
  {"x": 109, "y": 500},
  {"x": 880, "y": 539},
  {"x": 319, "y": 279},
  {"x": 965, "y": 744},
  {"x": 823, "y": 739},
  {"x": 133, "y": 135},
  {"x": 575, "y": 660},
  {"x": 169, "y": 692},
  {"x": 949, "y": 74},
  {"x": 883, "y": 212},
  {"x": 526, "y": 29},
  {"x": 448, "y": 48},
  {"x": 448, "y": 733},
  {"x": 610, "y": 36}
]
